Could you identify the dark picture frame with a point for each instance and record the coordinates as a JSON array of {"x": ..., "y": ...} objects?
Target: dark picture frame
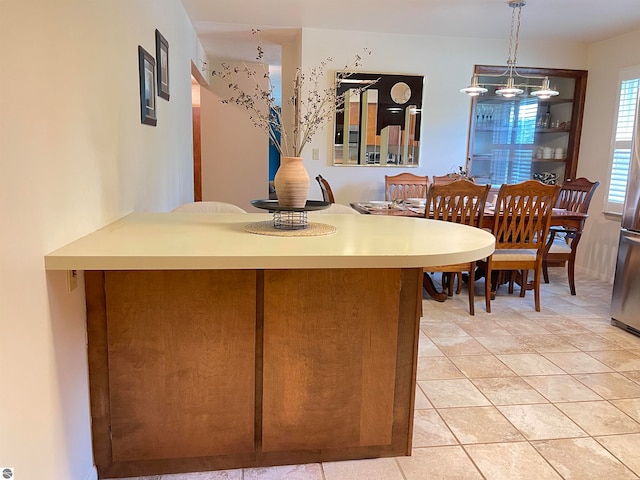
[
  {"x": 147, "y": 73},
  {"x": 162, "y": 57}
]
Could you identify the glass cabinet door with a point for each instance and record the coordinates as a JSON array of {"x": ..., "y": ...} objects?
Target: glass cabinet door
[{"x": 523, "y": 137}]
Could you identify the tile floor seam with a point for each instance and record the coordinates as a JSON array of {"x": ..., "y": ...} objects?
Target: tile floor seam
[
  {"x": 324, "y": 477},
  {"x": 525, "y": 441},
  {"x": 615, "y": 456},
  {"x": 397, "y": 462},
  {"x": 547, "y": 461},
  {"x": 620, "y": 373},
  {"x": 473, "y": 462}
]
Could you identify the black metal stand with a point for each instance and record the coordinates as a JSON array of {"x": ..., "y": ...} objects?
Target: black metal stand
[{"x": 289, "y": 218}]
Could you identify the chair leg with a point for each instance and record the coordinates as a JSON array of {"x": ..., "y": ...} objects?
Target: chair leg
[
  {"x": 571, "y": 264},
  {"x": 536, "y": 288},
  {"x": 446, "y": 284},
  {"x": 545, "y": 271},
  {"x": 459, "y": 287},
  {"x": 512, "y": 280},
  {"x": 525, "y": 279},
  {"x": 495, "y": 281},
  {"x": 487, "y": 287},
  {"x": 472, "y": 287},
  {"x": 451, "y": 279}
]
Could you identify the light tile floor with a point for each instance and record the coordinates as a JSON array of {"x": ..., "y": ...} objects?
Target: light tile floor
[{"x": 514, "y": 394}]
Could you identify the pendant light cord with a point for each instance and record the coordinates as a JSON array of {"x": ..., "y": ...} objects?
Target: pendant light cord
[{"x": 514, "y": 40}]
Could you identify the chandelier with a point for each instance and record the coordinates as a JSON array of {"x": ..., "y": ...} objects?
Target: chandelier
[{"x": 511, "y": 88}]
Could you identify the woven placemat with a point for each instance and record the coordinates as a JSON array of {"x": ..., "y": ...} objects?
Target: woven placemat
[{"x": 266, "y": 228}]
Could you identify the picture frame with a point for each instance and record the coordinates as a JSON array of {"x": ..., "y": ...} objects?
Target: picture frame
[
  {"x": 147, "y": 73},
  {"x": 162, "y": 58}
]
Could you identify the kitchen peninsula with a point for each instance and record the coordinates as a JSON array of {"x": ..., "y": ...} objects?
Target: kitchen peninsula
[{"x": 213, "y": 348}]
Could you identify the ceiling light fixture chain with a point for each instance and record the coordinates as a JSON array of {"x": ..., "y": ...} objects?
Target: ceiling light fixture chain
[
  {"x": 510, "y": 88},
  {"x": 514, "y": 40}
]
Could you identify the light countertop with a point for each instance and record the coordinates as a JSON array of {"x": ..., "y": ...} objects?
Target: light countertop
[{"x": 196, "y": 241}]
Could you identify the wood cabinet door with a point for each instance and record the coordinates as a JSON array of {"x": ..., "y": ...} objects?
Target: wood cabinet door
[
  {"x": 331, "y": 349},
  {"x": 179, "y": 379}
]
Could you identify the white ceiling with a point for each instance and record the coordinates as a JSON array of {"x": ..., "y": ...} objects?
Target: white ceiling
[{"x": 223, "y": 25}]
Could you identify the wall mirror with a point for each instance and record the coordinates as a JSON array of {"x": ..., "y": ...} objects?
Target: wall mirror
[{"x": 379, "y": 126}]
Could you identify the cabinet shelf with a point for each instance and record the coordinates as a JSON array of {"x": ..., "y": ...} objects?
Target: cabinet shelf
[
  {"x": 489, "y": 129},
  {"x": 552, "y": 130},
  {"x": 548, "y": 160}
]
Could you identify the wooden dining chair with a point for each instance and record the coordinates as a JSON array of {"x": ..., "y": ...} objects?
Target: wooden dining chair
[
  {"x": 451, "y": 177},
  {"x": 460, "y": 201},
  {"x": 521, "y": 225},
  {"x": 562, "y": 242},
  {"x": 325, "y": 188},
  {"x": 405, "y": 185}
]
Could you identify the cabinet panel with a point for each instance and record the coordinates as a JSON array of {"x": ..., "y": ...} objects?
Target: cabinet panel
[
  {"x": 325, "y": 369},
  {"x": 520, "y": 138},
  {"x": 181, "y": 363}
]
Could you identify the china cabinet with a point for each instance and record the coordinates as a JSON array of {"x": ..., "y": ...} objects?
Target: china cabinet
[{"x": 524, "y": 137}]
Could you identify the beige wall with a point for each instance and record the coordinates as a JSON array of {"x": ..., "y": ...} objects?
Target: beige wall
[
  {"x": 235, "y": 157},
  {"x": 599, "y": 246},
  {"x": 73, "y": 158}
]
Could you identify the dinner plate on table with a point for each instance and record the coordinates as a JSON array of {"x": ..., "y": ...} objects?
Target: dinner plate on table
[
  {"x": 377, "y": 204},
  {"x": 417, "y": 202}
]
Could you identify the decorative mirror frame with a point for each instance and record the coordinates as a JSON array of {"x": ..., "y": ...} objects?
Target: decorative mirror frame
[{"x": 387, "y": 132}]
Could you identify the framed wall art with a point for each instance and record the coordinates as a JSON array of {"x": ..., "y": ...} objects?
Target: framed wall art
[
  {"x": 147, "y": 73},
  {"x": 162, "y": 57},
  {"x": 379, "y": 123}
]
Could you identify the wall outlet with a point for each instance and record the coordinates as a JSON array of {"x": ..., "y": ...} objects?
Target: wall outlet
[
  {"x": 72, "y": 280},
  {"x": 315, "y": 154}
]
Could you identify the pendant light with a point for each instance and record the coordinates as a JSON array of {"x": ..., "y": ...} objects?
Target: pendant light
[{"x": 511, "y": 88}]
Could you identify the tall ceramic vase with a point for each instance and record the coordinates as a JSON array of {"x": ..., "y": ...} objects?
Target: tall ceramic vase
[{"x": 292, "y": 183}]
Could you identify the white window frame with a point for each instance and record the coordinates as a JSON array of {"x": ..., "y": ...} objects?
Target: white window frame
[{"x": 612, "y": 206}]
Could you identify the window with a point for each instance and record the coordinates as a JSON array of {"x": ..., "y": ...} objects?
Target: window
[
  {"x": 512, "y": 145},
  {"x": 622, "y": 138}
]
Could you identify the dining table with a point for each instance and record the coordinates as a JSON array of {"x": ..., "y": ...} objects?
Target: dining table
[{"x": 560, "y": 217}]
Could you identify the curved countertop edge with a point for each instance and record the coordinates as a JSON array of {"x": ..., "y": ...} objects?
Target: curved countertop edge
[{"x": 178, "y": 241}]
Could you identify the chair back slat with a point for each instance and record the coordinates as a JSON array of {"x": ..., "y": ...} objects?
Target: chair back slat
[
  {"x": 576, "y": 195},
  {"x": 523, "y": 214},
  {"x": 460, "y": 201},
  {"x": 405, "y": 185}
]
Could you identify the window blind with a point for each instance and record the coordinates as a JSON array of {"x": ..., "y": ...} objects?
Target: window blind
[{"x": 622, "y": 142}]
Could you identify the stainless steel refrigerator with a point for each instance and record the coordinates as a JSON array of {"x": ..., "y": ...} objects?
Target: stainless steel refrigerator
[{"x": 625, "y": 303}]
